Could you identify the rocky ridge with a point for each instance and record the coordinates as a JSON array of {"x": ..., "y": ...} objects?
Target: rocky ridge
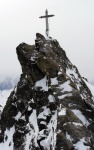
[{"x": 51, "y": 108}]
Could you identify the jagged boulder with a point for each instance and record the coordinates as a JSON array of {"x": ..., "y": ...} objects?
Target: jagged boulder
[{"x": 51, "y": 108}]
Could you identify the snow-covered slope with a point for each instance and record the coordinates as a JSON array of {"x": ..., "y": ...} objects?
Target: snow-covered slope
[
  {"x": 3, "y": 97},
  {"x": 90, "y": 86}
]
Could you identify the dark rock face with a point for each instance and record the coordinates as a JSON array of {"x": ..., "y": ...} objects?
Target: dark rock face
[{"x": 51, "y": 108}]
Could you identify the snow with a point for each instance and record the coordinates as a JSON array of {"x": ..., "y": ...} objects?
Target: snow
[
  {"x": 80, "y": 145},
  {"x": 15, "y": 89},
  {"x": 69, "y": 137},
  {"x": 83, "y": 95},
  {"x": 46, "y": 111},
  {"x": 51, "y": 98},
  {"x": 3, "y": 96},
  {"x": 59, "y": 131},
  {"x": 44, "y": 57},
  {"x": 51, "y": 138},
  {"x": 81, "y": 117},
  {"x": 91, "y": 87},
  {"x": 52, "y": 125},
  {"x": 65, "y": 95},
  {"x": 32, "y": 59},
  {"x": 59, "y": 73},
  {"x": 29, "y": 108},
  {"x": 78, "y": 86},
  {"x": 42, "y": 83},
  {"x": 23, "y": 118},
  {"x": 33, "y": 130},
  {"x": 43, "y": 122},
  {"x": 62, "y": 112},
  {"x": 74, "y": 76},
  {"x": 72, "y": 72},
  {"x": 18, "y": 116},
  {"x": 54, "y": 81},
  {"x": 8, "y": 142},
  {"x": 32, "y": 100},
  {"x": 66, "y": 87},
  {"x": 77, "y": 124}
]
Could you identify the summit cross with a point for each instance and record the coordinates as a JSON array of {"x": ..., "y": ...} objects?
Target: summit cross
[{"x": 47, "y": 24}]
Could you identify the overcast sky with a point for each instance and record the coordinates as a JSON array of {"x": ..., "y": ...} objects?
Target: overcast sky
[{"x": 72, "y": 26}]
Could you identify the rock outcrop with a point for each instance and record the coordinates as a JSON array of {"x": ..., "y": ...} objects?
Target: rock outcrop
[{"x": 51, "y": 108}]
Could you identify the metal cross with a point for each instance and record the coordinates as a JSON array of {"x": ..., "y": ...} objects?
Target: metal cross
[{"x": 47, "y": 24}]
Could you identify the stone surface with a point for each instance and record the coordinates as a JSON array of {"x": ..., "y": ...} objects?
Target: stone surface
[{"x": 51, "y": 108}]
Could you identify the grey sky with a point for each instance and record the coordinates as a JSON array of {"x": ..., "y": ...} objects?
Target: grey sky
[{"x": 72, "y": 26}]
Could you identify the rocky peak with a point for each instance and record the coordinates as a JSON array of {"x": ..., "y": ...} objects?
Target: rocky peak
[{"x": 51, "y": 108}]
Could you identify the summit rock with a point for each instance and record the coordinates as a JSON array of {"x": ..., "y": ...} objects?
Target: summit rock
[{"x": 51, "y": 108}]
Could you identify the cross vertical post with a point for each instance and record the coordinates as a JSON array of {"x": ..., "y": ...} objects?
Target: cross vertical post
[{"x": 47, "y": 24}]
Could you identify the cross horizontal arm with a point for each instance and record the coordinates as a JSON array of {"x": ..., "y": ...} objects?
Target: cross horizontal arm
[
  {"x": 46, "y": 19},
  {"x": 47, "y": 16}
]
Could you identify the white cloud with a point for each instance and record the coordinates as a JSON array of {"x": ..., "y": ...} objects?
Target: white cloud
[{"x": 72, "y": 26}]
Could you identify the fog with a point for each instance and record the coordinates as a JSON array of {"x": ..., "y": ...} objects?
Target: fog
[{"x": 72, "y": 26}]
